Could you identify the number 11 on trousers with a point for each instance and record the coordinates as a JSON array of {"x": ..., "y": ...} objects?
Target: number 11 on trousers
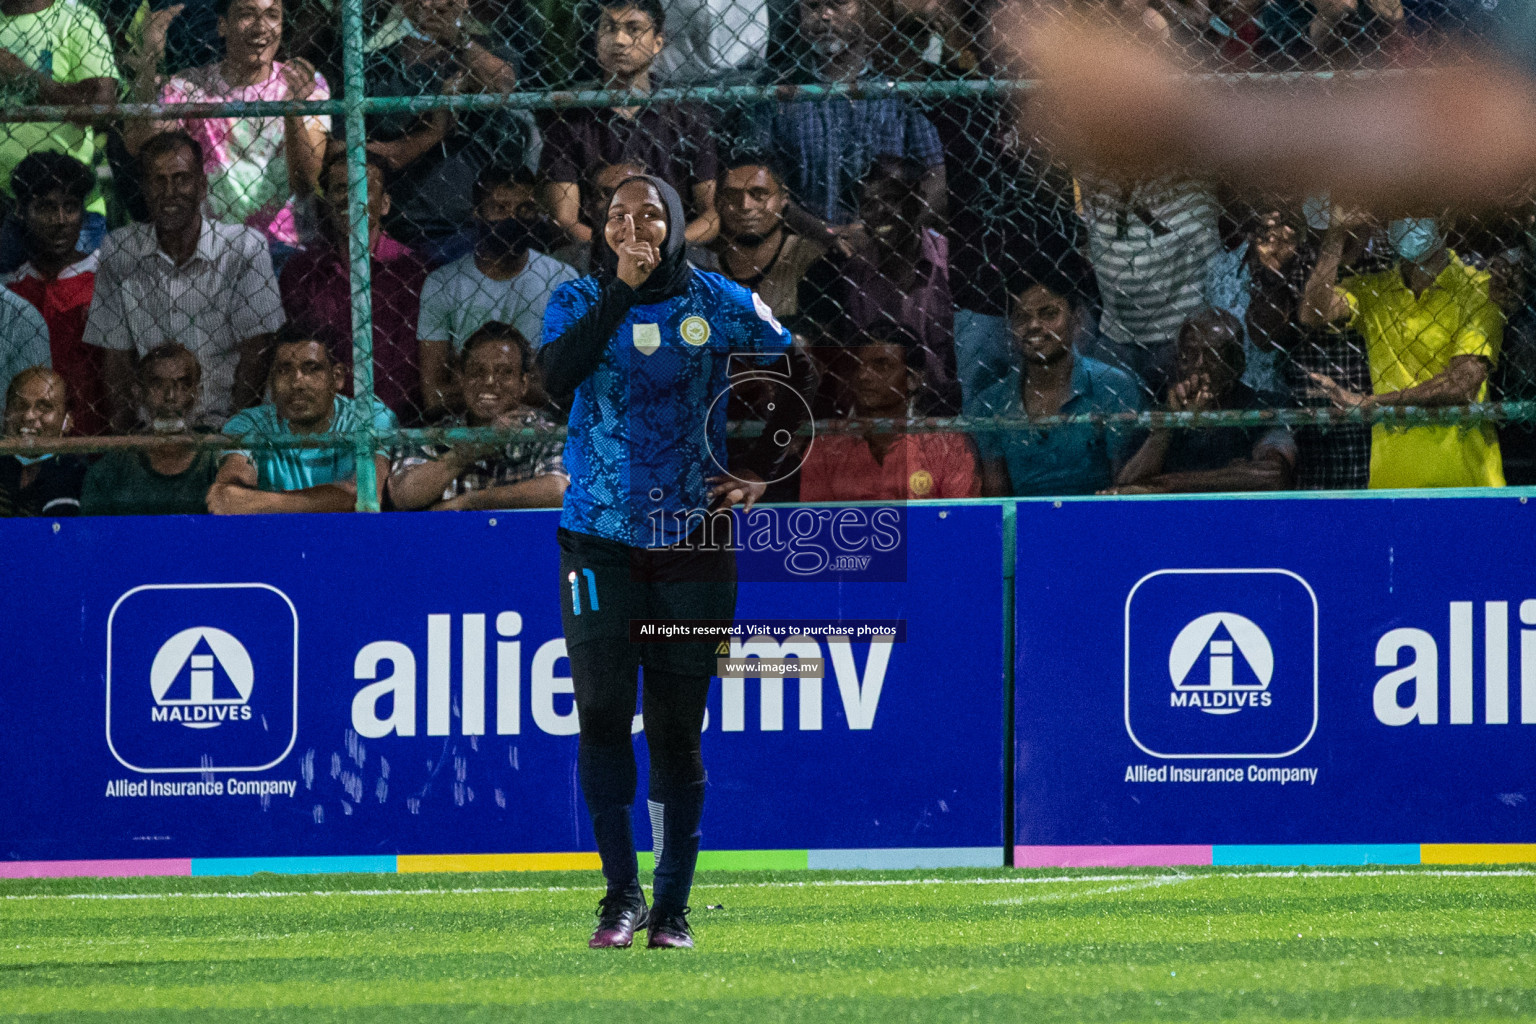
[{"x": 576, "y": 591}]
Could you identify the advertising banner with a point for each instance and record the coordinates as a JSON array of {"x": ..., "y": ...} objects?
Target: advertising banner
[
  {"x": 1275, "y": 681},
  {"x": 302, "y": 692}
]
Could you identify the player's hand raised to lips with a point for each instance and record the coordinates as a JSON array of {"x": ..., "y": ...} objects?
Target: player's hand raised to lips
[
  {"x": 746, "y": 488},
  {"x": 636, "y": 259}
]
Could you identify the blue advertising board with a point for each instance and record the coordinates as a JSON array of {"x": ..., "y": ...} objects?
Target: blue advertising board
[
  {"x": 205, "y": 690},
  {"x": 1275, "y": 680}
]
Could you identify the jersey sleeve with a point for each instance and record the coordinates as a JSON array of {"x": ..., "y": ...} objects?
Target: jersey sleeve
[
  {"x": 757, "y": 331},
  {"x": 920, "y": 139},
  {"x": 565, "y": 307},
  {"x": 578, "y": 327}
]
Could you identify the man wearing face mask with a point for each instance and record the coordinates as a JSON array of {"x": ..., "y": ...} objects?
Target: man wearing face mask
[
  {"x": 1432, "y": 336},
  {"x": 37, "y": 406},
  {"x": 502, "y": 280},
  {"x": 166, "y": 480}
]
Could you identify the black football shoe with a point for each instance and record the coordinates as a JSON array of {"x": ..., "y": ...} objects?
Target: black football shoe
[
  {"x": 670, "y": 931},
  {"x": 619, "y": 916}
]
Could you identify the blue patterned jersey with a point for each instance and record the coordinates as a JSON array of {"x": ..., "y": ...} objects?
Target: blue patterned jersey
[{"x": 648, "y": 426}]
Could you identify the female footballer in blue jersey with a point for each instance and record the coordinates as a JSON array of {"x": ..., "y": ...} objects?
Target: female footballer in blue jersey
[{"x": 643, "y": 349}]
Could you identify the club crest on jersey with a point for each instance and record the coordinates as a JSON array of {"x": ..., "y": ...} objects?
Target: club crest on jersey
[
  {"x": 695, "y": 330},
  {"x": 647, "y": 337},
  {"x": 764, "y": 312}
]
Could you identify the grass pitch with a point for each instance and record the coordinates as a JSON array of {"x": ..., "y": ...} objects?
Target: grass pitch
[{"x": 1190, "y": 945}]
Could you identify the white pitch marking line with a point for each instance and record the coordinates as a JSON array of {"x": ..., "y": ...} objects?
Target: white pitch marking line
[
  {"x": 830, "y": 883},
  {"x": 1051, "y": 897},
  {"x": 856, "y": 882}
]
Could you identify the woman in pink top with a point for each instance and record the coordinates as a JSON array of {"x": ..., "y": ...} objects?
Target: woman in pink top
[{"x": 256, "y": 165}]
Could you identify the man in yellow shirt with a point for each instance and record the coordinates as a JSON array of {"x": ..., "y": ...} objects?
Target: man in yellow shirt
[{"x": 1432, "y": 336}]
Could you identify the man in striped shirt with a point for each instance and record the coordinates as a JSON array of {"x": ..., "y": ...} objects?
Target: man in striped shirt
[{"x": 1151, "y": 244}]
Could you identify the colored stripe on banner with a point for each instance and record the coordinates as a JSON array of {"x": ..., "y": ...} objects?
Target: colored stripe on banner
[
  {"x": 413, "y": 863},
  {"x": 1275, "y": 855},
  {"x": 171, "y": 867},
  {"x": 906, "y": 859},
  {"x": 740, "y": 860},
  {"x": 292, "y": 865},
  {"x": 1321, "y": 855},
  {"x": 753, "y": 860},
  {"x": 1477, "y": 853},
  {"x": 1110, "y": 856}
]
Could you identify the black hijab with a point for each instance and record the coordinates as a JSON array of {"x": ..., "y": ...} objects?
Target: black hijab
[{"x": 672, "y": 274}]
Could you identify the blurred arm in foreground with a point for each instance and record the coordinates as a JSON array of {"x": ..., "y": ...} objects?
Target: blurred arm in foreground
[{"x": 1460, "y": 134}]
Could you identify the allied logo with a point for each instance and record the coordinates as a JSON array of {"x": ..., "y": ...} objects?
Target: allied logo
[
  {"x": 647, "y": 337},
  {"x": 695, "y": 330},
  {"x": 202, "y": 677},
  {"x": 1216, "y": 640},
  {"x": 1221, "y": 663}
]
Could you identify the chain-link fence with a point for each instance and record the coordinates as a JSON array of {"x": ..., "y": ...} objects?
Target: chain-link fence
[{"x": 269, "y": 258}]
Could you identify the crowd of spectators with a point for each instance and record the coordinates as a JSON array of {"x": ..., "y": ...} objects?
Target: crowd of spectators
[{"x": 174, "y": 275}]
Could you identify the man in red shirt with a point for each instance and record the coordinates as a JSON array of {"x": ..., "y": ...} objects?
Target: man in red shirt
[
  {"x": 888, "y": 463},
  {"x": 317, "y": 292},
  {"x": 51, "y": 191}
]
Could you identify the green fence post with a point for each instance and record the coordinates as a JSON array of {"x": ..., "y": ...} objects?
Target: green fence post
[{"x": 362, "y": 284}]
